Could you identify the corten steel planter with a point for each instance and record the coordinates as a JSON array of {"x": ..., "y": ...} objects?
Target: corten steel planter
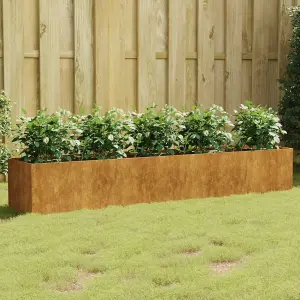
[{"x": 67, "y": 186}]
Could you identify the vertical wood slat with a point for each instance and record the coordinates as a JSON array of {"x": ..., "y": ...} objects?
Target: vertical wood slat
[
  {"x": 247, "y": 25},
  {"x": 219, "y": 45},
  {"x": 49, "y": 55},
  {"x": 233, "y": 86},
  {"x": 191, "y": 66},
  {"x": 13, "y": 53},
  {"x": 247, "y": 36},
  {"x": 101, "y": 51},
  {"x": 260, "y": 53},
  {"x": 206, "y": 52},
  {"x": 109, "y": 54},
  {"x": 284, "y": 34},
  {"x": 66, "y": 43},
  {"x": 146, "y": 54},
  {"x": 162, "y": 14},
  {"x": 177, "y": 76},
  {"x": 84, "y": 65}
]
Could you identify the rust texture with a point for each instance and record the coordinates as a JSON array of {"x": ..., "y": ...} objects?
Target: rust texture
[
  {"x": 62, "y": 187},
  {"x": 19, "y": 186}
]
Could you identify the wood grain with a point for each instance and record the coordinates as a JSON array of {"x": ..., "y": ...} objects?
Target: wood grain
[
  {"x": 146, "y": 54},
  {"x": 162, "y": 32},
  {"x": 109, "y": 54},
  {"x": 84, "y": 62},
  {"x": 206, "y": 52},
  {"x": 233, "y": 87},
  {"x": 61, "y": 187},
  {"x": 130, "y": 72},
  {"x": 50, "y": 86},
  {"x": 260, "y": 53},
  {"x": 219, "y": 39},
  {"x": 247, "y": 25},
  {"x": 177, "y": 15},
  {"x": 13, "y": 49}
]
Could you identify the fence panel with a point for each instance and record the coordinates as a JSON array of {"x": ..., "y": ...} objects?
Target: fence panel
[{"x": 131, "y": 53}]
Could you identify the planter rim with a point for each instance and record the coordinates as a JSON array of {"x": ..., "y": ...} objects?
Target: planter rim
[{"x": 153, "y": 157}]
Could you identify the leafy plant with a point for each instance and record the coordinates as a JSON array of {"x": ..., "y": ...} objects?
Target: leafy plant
[
  {"x": 63, "y": 136},
  {"x": 5, "y": 155},
  {"x": 104, "y": 136},
  {"x": 206, "y": 130},
  {"x": 5, "y": 114},
  {"x": 47, "y": 138},
  {"x": 156, "y": 132},
  {"x": 289, "y": 106},
  {"x": 5, "y": 130},
  {"x": 257, "y": 127}
]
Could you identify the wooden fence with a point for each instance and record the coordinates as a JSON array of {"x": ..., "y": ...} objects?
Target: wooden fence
[{"x": 131, "y": 53}]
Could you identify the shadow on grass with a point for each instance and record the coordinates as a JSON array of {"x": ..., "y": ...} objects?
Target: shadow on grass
[
  {"x": 7, "y": 213},
  {"x": 296, "y": 182}
]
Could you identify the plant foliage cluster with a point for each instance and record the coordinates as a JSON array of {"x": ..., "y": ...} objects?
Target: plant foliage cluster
[
  {"x": 63, "y": 136},
  {"x": 289, "y": 107},
  {"x": 5, "y": 129}
]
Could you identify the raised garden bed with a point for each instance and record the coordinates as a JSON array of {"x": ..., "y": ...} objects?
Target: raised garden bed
[{"x": 68, "y": 186}]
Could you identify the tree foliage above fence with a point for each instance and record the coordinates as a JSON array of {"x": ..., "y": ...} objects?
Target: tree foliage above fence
[{"x": 289, "y": 107}]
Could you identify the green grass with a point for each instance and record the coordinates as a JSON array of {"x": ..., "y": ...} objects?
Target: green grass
[{"x": 158, "y": 251}]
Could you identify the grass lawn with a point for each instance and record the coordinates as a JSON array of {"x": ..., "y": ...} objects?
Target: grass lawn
[{"x": 239, "y": 247}]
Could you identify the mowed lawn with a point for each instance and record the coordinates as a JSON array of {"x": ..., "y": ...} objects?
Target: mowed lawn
[{"x": 239, "y": 247}]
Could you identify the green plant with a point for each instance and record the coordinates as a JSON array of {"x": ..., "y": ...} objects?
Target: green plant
[
  {"x": 5, "y": 129},
  {"x": 104, "y": 136},
  {"x": 5, "y": 155},
  {"x": 47, "y": 138},
  {"x": 206, "y": 130},
  {"x": 63, "y": 136},
  {"x": 257, "y": 127},
  {"x": 156, "y": 132},
  {"x": 289, "y": 106},
  {"x": 5, "y": 114}
]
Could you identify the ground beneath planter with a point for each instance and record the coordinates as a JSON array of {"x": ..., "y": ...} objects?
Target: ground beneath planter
[{"x": 187, "y": 250}]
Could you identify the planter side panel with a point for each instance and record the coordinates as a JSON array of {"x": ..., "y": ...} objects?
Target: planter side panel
[
  {"x": 19, "y": 186},
  {"x": 71, "y": 186}
]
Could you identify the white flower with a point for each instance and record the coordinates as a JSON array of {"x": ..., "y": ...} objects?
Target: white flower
[
  {"x": 131, "y": 139},
  {"x": 276, "y": 139},
  {"x": 228, "y": 135},
  {"x": 243, "y": 106},
  {"x": 111, "y": 137},
  {"x": 46, "y": 140},
  {"x": 205, "y": 132}
]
